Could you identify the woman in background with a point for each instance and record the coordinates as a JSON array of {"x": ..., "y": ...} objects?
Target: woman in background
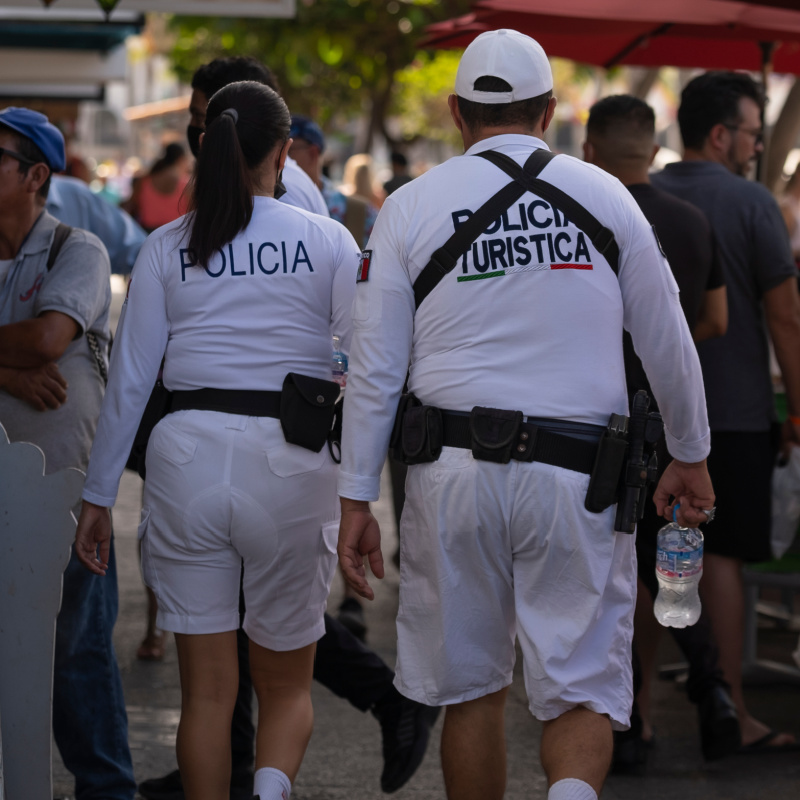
[{"x": 159, "y": 197}]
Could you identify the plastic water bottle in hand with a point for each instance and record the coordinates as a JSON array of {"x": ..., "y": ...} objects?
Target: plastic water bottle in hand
[
  {"x": 339, "y": 364},
  {"x": 679, "y": 567}
]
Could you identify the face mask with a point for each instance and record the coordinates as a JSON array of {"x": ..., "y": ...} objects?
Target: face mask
[
  {"x": 193, "y": 134},
  {"x": 280, "y": 189}
]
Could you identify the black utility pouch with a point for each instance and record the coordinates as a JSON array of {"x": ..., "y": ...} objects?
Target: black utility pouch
[
  {"x": 407, "y": 400},
  {"x": 609, "y": 463},
  {"x": 158, "y": 406},
  {"x": 421, "y": 434},
  {"x": 307, "y": 410},
  {"x": 494, "y": 432}
]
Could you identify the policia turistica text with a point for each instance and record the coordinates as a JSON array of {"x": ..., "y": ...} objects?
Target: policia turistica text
[
  {"x": 496, "y": 541},
  {"x": 240, "y": 298}
]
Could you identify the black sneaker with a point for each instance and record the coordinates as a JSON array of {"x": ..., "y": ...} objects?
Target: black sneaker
[
  {"x": 170, "y": 787},
  {"x": 405, "y": 728},
  {"x": 351, "y": 615}
]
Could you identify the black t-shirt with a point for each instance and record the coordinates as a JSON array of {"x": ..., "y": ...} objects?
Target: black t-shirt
[{"x": 688, "y": 243}]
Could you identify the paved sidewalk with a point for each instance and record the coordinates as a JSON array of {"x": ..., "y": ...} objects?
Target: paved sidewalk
[{"x": 344, "y": 757}]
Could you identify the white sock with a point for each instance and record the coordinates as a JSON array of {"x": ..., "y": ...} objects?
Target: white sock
[
  {"x": 571, "y": 789},
  {"x": 271, "y": 784}
]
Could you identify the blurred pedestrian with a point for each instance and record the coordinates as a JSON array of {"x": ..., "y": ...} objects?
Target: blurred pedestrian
[
  {"x": 620, "y": 138},
  {"x": 358, "y": 179},
  {"x": 159, "y": 197},
  {"x": 721, "y": 126},
  {"x": 55, "y": 292},
  {"x": 790, "y": 208},
  {"x": 308, "y": 146},
  {"x": 400, "y": 176}
]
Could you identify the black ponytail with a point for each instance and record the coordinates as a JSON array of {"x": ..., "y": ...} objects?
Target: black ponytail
[{"x": 244, "y": 122}]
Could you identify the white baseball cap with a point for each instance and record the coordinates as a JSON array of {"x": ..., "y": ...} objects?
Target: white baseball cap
[{"x": 510, "y": 55}]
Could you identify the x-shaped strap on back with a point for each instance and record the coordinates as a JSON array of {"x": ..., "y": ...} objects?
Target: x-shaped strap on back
[{"x": 525, "y": 179}]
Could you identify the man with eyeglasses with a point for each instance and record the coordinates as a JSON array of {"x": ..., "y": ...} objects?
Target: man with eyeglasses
[
  {"x": 721, "y": 126},
  {"x": 51, "y": 388}
]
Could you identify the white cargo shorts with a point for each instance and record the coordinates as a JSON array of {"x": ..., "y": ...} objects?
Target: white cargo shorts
[
  {"x": 493, "y": 551},
  {"x": 227, "y": 498}
]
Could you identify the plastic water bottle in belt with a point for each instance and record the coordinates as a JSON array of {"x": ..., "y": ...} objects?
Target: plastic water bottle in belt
[
  {"x": 339, "y": 364},
  {"x": 679, "y": 567}
]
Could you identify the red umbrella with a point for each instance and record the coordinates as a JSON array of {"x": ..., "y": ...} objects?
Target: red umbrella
[{"x": 711, "y": 34}]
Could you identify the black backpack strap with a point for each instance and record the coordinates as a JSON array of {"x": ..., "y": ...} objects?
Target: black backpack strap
[
  {"x": 62, "y": 233},
  {"x": 601, "y": 237}
]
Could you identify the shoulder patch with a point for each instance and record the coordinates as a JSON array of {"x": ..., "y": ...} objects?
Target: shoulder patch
[
  {"x": 363, "y": 266},
  {"x": 658, "y": 241}
]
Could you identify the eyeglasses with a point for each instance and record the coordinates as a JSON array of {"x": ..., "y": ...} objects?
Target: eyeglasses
[
  {"x": 4, "y": 151},
  {"x": 758, "y": 134}
]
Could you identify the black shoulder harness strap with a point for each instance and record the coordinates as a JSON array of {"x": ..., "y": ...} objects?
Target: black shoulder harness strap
[{"x": 525, "y": 178}]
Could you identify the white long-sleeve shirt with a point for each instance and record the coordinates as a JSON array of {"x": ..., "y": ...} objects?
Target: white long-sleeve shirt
[
  {"x": 265, "y": 306},
  {"x": 530, "y": 319}
]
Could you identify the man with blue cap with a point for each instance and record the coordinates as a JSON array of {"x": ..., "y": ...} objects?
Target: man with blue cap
[{"x": 54, "y": 303}]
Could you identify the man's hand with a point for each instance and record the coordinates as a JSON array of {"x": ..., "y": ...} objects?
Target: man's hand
[
  {"x": 359, "y": 536},
  {"x": 41, "y": 387},
  {"x": 93, "y": 537},
  {"x": 689, "y": 485}
]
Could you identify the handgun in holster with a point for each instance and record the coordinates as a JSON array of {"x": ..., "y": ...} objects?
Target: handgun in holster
[{"x": 641, "y": 467}]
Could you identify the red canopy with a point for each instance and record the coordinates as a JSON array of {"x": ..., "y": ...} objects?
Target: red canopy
[{"x": 710, "y": 34}]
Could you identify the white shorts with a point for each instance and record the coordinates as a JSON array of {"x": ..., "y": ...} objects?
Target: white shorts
[
  {"x": 493, "y": 551},
  {"x": 227, "y": 498}
]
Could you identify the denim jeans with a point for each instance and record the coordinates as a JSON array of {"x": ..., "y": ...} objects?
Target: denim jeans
[{"x": 90, "y": 723}]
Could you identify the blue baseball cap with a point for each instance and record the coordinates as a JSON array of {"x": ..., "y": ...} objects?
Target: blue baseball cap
[
  {"x": 308, "y": 130},
  {"x": 36, "y": 127}
]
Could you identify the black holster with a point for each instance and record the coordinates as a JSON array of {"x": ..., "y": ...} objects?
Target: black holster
[
  {"x": 417, "y": 433},
  {"x": 308, "y": 410}
]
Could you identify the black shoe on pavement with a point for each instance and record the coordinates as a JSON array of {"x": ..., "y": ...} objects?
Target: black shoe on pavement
[
  {"x": 170, "y": 787},
  {"x": 405, "y": 728},
  {"x": 630, "y": 754},
  {"x": 720, "y": 734},
  {"x": 351, "y": 615}
]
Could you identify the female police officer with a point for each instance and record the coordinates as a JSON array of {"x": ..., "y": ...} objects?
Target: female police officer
[{"x": 236, "y": 295}]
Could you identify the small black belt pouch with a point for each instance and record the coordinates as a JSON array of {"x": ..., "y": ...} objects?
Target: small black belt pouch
[
  {"x": 307, "y": 410},
  {"x": 494, "y": 432},
  {"x": 407, "y": 400},
  {"x": 421, "y": 434}
]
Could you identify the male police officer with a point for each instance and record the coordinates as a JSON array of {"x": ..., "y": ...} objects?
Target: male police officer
[{"x": 529, "y": 319}]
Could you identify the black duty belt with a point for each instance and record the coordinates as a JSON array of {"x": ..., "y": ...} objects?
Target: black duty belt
[
  {"x": 535, "y": 442},
  {"x": 230, "y": 401}
]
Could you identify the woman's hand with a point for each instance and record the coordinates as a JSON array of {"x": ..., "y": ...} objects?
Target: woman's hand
[{"x": 93, "y": 537}]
